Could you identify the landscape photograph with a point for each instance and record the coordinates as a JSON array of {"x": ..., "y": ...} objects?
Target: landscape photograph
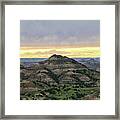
[{"x": 59, "y": 60}]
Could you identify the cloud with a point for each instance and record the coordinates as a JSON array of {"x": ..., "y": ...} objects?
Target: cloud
[
  {"x": 62, "y": 32},
  {"x": 45, "y": 53},
  {"x": 42, "y": 38},
  {"x": 70, "y": 52},
  {"x": 52, "y": 40}
]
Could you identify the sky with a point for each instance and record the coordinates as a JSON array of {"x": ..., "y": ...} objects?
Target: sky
[{"x": 72, "y": 38}]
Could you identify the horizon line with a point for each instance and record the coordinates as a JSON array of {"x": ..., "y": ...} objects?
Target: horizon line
[{"x": 68, "y": 57}]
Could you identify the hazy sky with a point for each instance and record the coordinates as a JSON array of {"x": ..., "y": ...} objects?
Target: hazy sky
[{"x": 53, "y": 35}]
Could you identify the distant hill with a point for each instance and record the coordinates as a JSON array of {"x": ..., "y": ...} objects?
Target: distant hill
[
  {"x": 91, "y": 63},
  {"x": 59, "y": 77}
]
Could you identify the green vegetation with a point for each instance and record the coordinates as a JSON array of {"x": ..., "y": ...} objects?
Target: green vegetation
[
  {"x": 61, "y": 92},
  {"x": 59, "y": 78}
]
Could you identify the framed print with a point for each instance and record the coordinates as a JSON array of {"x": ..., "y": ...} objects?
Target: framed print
[{"x": 60, "y": 60}]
